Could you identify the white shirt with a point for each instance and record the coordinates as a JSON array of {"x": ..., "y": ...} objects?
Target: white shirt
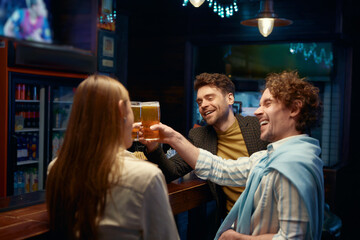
[{"x": 138, "y": 207}]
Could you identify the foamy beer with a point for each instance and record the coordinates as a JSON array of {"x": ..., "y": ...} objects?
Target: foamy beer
[
  {"x": 150, "y": 115},
  {"x": 136, "y": 108}
]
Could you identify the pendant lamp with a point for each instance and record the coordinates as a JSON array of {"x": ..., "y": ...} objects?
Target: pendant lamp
[
  {"x": 197, "y": 3},
  {"x": 266, "y": 19}
]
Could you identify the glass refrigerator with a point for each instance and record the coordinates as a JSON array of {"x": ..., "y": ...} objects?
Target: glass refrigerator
[{"x": 39, "y": 107}]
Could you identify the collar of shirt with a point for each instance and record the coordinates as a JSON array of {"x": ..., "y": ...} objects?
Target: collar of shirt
[{"x": 273, "y": 146}]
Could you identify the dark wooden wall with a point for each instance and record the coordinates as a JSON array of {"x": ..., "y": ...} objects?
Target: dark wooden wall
[
  {"x": 161, "y": 35},
  {"x": 348, "y": 183},
  {"x": 74, "y": 23},
  {"x": 156, "y": 52}
]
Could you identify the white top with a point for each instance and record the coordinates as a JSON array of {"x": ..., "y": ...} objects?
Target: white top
[{"x": 138, "y": 207}]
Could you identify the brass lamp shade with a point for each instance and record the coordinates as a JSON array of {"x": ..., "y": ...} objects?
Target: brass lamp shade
[
  {"x": 197, "y": 3},
  {"x": 278, "y": 22},
  {"x": 266, "y": 11}
]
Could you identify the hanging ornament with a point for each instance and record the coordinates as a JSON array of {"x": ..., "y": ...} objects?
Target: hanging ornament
[{"x": 222, "y": 9}]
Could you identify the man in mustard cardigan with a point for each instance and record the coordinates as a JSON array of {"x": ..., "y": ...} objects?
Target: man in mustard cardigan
[{"x": 227, "y": 135}]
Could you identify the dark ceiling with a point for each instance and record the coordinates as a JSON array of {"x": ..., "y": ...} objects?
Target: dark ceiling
[
  {"x": 170, "y": 16},
  {"x": 168, "y": 20}
]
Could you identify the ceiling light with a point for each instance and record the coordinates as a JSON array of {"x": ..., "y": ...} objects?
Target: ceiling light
[
  {"x": 266, "y": 19},
  {"x": 197, "y": 3}
]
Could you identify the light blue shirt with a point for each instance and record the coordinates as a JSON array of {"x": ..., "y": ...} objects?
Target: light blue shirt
[{"x": 278, "y": 206}]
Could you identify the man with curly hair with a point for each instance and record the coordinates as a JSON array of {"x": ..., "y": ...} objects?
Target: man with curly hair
[{"x": 284, "y": 194}]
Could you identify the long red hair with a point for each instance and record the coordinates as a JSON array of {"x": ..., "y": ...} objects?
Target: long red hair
[{"x": 78, "y": 182}]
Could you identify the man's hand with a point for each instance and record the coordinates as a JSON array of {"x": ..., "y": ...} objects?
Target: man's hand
[
  {"x": 167, "y": 135},
  {"x": 177, "y": 141},
  {"x": 232, "y": 235}
]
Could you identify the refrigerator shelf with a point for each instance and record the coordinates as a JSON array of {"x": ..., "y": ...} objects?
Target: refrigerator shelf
[
  {"x": 27, "y": 130},
  {"x": 26, "y": 162},
  {"x": 27, "y": 101},
  {"x": 59, "y": 129},
  {"x": 62, "y": 102}
]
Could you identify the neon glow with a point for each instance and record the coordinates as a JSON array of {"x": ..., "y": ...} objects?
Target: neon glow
[{"x": 222, "y": 9}]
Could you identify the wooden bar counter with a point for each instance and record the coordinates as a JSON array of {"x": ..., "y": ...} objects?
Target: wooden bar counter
[
  {"x": 32, "y": 221},
  {"x": 188, "y": 194}
]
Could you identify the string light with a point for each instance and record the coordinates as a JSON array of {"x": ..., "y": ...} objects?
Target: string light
[
  {"x": 311, "y": 52},
  {"x": 107, "y": 21},
  {"x": 222, "y": 9}
]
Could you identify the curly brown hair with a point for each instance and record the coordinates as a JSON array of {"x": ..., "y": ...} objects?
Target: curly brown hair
[
  {"x": 218, "y": 80},
  {"x": 287, "y": 86}
]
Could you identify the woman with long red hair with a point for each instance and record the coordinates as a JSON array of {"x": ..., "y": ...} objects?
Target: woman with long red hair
[{"x": 96, "y": 189}]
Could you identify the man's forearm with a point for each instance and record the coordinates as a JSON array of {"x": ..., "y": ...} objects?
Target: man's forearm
[{"x": 185, "y": 149}]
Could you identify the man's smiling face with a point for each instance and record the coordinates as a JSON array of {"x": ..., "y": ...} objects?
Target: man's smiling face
[
  {"x": 274, "y": 118},
  {"x": 213, "y": 104}
]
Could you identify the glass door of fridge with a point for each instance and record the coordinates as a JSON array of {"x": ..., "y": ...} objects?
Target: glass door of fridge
[
  {"x": 62, "y": 99},
  {"x": 39, "y": 107},
  {"x": 28, "y": 127}
]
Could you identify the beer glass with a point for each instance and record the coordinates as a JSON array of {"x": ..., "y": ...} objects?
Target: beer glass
[
  {"x": 150, "y": 115},
  {"x": 136, "y": 108}
]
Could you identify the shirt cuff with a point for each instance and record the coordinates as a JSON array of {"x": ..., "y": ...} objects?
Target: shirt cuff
[{"x": 203, "y": 164}]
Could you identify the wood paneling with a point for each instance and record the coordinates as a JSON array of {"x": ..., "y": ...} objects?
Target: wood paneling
[{"x": 74, "y": 23}]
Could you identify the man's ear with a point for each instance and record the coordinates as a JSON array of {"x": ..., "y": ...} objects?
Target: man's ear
[
  {"x": 230, "y": 98},
  {"x": 296, "y": 108}
]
